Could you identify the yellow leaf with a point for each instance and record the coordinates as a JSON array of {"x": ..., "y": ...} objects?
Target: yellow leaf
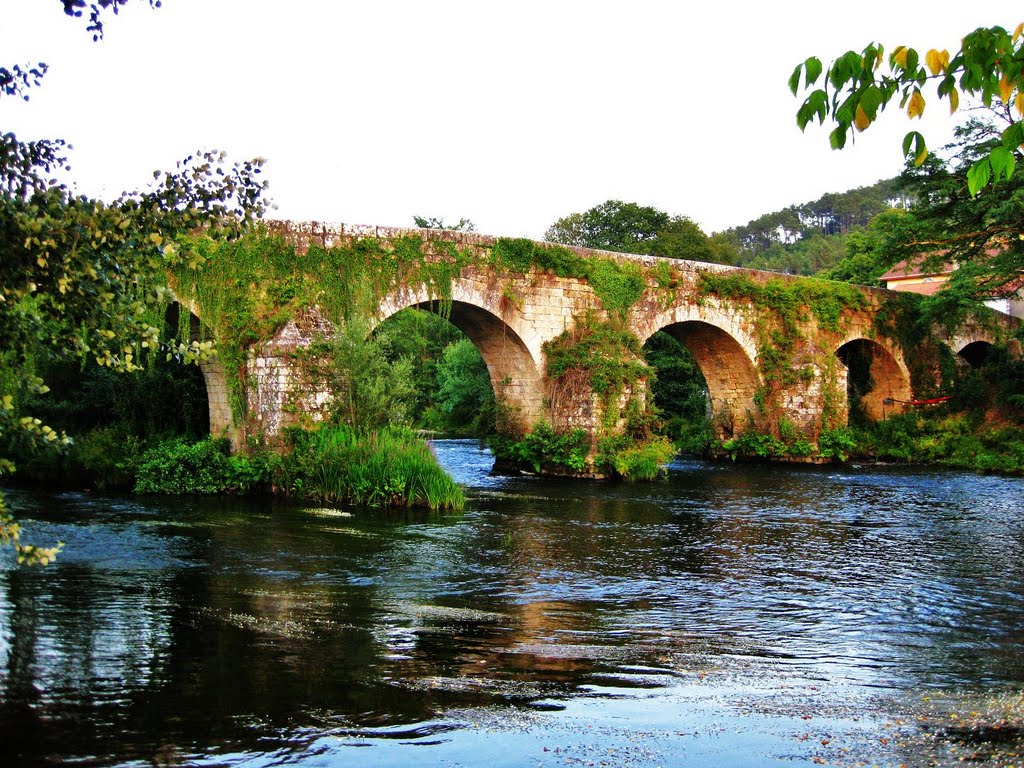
[
  {"x": 937, "y": 61},
  {"x": 899, "y": 56},
  {"x": 861, "y": 119},
  {"x": 921, "y": 157},
  {"x": 1020, "y": 104},
  {"x": 916, "y": 106},
  {"x": 1018, "y": 32},
  {"x": 1005, "y": 89},
  {"x": 954, "y": 101}
]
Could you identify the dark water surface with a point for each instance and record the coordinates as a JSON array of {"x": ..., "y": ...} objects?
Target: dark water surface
[{"x": 730, "y": 616}]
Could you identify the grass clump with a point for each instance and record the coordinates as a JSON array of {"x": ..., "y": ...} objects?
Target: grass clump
[{"x": 390, "y": 467}]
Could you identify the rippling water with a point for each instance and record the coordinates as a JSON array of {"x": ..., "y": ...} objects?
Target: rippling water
[{"x": 731, "y": 615}]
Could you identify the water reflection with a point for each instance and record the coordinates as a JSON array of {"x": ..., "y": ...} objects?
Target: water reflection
[{"x": 175, "y": 632}]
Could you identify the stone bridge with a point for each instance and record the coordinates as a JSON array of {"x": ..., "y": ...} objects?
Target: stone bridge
[{"x": 777, "y": 352}]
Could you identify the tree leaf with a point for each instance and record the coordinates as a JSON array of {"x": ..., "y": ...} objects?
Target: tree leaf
[
  {"x": 1013, "y": 137},
  {"x": 871, "y": 100},
  {"x": 1005, "y": 89},
  {"x": 816, "y": 105},
  {"x": 812, "y": 67},
  {"x": 794, "y": 79},
  {"x": 1002, "y": 162},
  {"x": 936, "y": 61},
  {"x": 915, "y": 108},
  {"x": 978, "y": 176},
  {"x": 954, "y": 101},
  {"x": 861, "y": 119},
  {"x": 837, "y": 139},
  {"x": 1018, "y": 32},
  {"x": 915, "y": 148}
]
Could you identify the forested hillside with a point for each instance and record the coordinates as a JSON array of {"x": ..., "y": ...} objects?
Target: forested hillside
[
  {"x": 802, "y": 239},
  {"x": 811, "y": 237}
]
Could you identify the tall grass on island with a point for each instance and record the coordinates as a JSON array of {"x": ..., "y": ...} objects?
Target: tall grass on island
[{"x": 390, "y": 467}]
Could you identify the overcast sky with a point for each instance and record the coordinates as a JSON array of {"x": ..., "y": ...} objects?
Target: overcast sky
[{"x": 509, "y": 114}]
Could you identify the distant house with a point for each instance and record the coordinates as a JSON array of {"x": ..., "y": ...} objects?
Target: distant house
[{"x": 913, "y": 277}]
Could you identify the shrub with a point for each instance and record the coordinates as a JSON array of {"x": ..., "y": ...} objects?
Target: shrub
[
  {"x": 691, "y": 438},
  {"x": 836, "y": 443},
  {"x": 754, "y": 444},
  {"x": 546, "y": 450},
  {"x": 108, "y": 457},
  {"x": 178, "y": 467},
  {"x": 632, "y": 460}
]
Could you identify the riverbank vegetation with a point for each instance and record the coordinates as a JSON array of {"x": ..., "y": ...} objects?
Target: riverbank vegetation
[{"x": 390, "y": 467}]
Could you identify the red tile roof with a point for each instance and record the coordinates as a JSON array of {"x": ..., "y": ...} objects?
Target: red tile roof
[{"x": 914, "y": 268}]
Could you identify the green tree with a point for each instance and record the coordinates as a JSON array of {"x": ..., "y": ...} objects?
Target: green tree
[
  {"x": 807, "y": 228},
  {"x": 465, "y": 394},
  {"x": 611, "y": 226},
  {"x": 971, "y": 203},
  {"x": 370, "y": 390},
  {"x": 82, "y": 277},
  {"x": 983, "y": 233},
  {"x": 680, "y": 393},
  {"x": 633, "y": 228},
  {"x": 870, "y": 252},
  {"x": 682, "y": 238},
  {"x": 420, "y": 337}
]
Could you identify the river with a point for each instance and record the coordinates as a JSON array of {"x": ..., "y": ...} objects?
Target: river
[{"x": 729, "y": 616}]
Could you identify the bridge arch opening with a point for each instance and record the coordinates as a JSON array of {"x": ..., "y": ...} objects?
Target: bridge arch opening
[
  {"x": 680, "y": 393},
  {"x": 875, "y": 383},
  {"x": 976, "y": 353},
  {"x": 212, "y": 409},
  {"x": 470, "y": 349},
  {"x": 726, "y": 374}
]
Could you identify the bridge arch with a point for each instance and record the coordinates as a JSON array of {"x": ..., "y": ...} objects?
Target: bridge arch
[
  {"x": 975, "y": 353},
  {"x": 873, "y": 375},
  {"x": 724, "y": 361},
  {"x": 512, "y": 366},
  {"x": 972, "y": 343},
  {"x": 221, "y": 421}
]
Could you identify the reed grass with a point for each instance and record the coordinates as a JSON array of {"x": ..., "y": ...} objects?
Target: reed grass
[{"x": 391, "y": 467}]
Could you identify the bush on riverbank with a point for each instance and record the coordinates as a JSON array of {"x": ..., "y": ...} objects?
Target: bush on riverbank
[
  {"x": 633, "y": 455},
  {"x": 389, "y": 467},
  {"x": 179, "y": 467},
  {"x": 631, "y": 459},
  {"x": 959, "y": 440}
]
